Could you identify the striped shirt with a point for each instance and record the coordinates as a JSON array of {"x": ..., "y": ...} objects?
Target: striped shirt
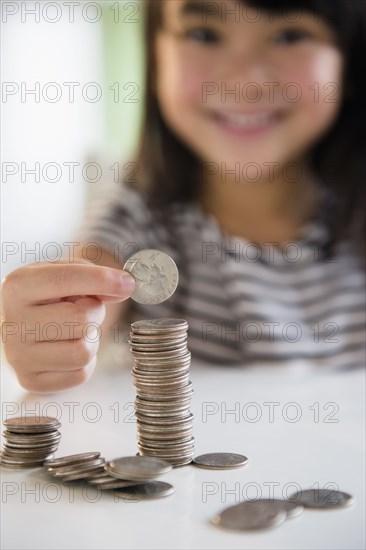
[{"x": 243, "y": 302}]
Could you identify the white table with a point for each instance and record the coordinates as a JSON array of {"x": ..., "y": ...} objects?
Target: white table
[{"x": 299, "y": 425}]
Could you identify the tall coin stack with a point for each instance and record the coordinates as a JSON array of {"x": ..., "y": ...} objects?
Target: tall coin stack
[{"x": 164, "y": 392}]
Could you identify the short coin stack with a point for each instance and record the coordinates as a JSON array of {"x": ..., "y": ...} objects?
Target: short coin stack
[
  {"x": 164, "y": 392},
  {"x": 29, "y": 441},
  {"x": 131, "y": 477},
  {"x": 79, "y": 467}
]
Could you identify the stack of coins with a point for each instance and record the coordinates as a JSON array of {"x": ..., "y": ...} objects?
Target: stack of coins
[
  {"x": 131, "y": 477},
  {"x": 29, "y": 441},
  {"x": 164, "y": 392}
]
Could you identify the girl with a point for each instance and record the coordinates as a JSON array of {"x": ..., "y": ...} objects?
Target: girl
[{"x": 250, "y": 175}]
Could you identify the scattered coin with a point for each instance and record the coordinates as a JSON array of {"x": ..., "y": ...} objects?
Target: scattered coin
[
  {"x": 156, "y": 276},
  {"x": 322, "y": 498},
  {"x": 82, "y": 466},
  {"x": 250, "y": 515},
  {"x": 29, "y": 441},
  {"x": 137, "y": 468},
  {"x": 109, "y": 482},
  {"x": 144, "y": 491},
  {"x": 293, "y": 509},
  {"x": 71, "y": 459},
  {"x": 220, "y": 461}
]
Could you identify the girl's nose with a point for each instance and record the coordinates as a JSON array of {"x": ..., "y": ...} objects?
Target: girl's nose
[{"x": 245, "y": 66}]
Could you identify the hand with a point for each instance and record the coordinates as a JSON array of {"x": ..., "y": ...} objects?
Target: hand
[{"x": 51, "y": 320}]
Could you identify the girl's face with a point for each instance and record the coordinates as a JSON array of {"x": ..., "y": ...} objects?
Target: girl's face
[{"x": 240, "y": 86}]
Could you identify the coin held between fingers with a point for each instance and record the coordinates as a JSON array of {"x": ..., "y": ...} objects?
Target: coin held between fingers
[{"x": 155, "y": 274}]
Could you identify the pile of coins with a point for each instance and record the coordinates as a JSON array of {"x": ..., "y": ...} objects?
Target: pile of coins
[
  {"x": 164, "y": 391},
  {"x": 130, "y": 477},
  {"x": 76, "y": 467},
  {"x": 29, "y": 441},
  {"x": 264, "y": 513}
]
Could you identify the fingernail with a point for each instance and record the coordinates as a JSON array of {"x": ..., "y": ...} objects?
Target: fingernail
[{"x": 128, "y": 282}]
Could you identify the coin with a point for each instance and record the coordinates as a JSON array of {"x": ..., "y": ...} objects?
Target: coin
[
  {"x": 137, "y": 468},
  {"x": 250, "y": 515},
  {"x": 109, "y": 482},
  {"x": 31, "y": 424},
  {"x": 21, "y": 462},
  {"x": 82, "y": 475},
  {"x": 322, "y": 498},
  {"x": 72, "y": 469},
  {"x": 156, "y": 276},
  {"x": 161, "y": 327},
  {"x": 292, "y": 509},
  {"x": 12, "y": 437},
  {"x": 71, "y": 459},
  {"x": 143, "y": 491},
  {"x": 220, "y": 461}
]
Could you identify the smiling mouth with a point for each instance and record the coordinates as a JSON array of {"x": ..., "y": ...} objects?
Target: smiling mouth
[{"x": 247, "y": 122}]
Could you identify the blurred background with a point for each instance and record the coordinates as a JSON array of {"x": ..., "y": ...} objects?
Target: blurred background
[{"x": 71, "y": 98}]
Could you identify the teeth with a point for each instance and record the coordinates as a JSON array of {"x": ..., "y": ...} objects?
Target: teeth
[{"x": 238, "y": 120}]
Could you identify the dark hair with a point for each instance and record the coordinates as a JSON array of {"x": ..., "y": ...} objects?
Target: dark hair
[{"x": 169, "y": 169}]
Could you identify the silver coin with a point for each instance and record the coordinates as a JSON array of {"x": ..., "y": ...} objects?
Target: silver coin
[
  {"x": 175, "y": 337},
  {"x": 82, "y": 475},
  {"x": 156, "y": 276},
  {"x": 135, "y": 468},
  {"x": 165, "y": 405},
  {"x": 144, "y": 491},
  {"x": 160, "y": 435},
  {"x": 160, "y": 414},
  {"x": 29, "y": 453},
  {"x": 181, "y": 360},
  {"x": 187, "y": 391},
  {"x": 31, "y": 424},
  {"x": 220, "y": 461},
  {"x": 12, "y": 437},
  {"x": 169, "y": 454},
  {"x": 32, "y": 446},
  {"x": 71, "y": 459},
  {"x": 72, "y": 469},
  {"x": 147, "y": 439},
  {"x": 98, "y": 478},
  {"x": 159, "y": 326},
  {"x": 168, "y": 444},
  {"x": 163, "y": 376},
  {"x": 292, "y": 509},
  {"x": 250, "y": 515},
  {"x": 178, "y": 461},
  {"x": 154, "y": 347},
  {"x": 322, "y": 498},
  {"x": 20, "y": 462},
  {"x": 110, "y": 482}
]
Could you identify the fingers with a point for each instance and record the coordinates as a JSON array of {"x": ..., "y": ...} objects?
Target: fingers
[
  {"x": 55, "y": 381},
  {"x": 52, "y": 317},
  {"x": 43, "y": 282},
  {"x": 61, "y": 321},
  {"x": 40, "y": 357}
]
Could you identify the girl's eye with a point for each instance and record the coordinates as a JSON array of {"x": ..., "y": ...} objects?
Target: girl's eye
[
  {"x": 291, "y": 36},
  {"x": 206, "y": 36}
]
